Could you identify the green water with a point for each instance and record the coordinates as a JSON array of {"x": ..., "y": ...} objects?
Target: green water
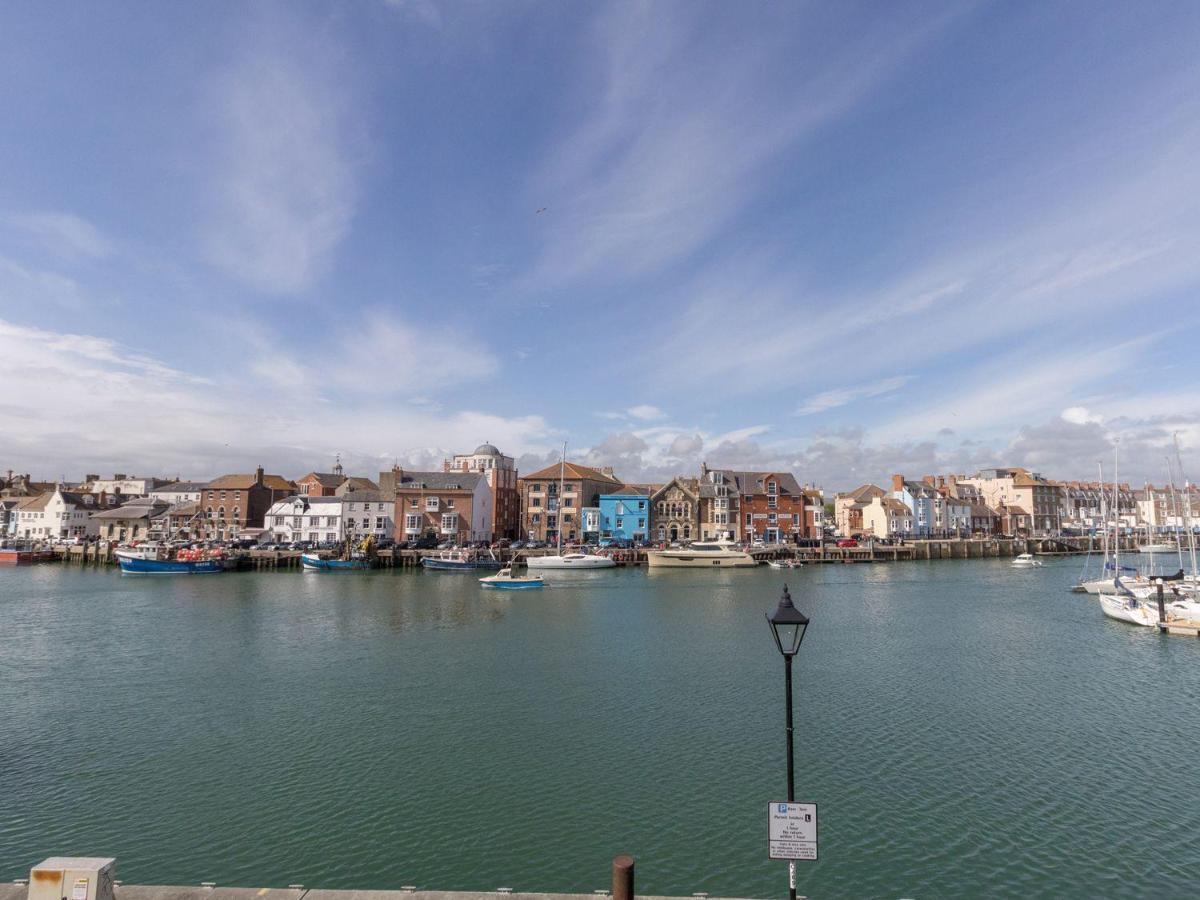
[{"x": 968, "y": 730}]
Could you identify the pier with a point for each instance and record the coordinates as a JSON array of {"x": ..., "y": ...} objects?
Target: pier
[{"x": 829, "y": 552}]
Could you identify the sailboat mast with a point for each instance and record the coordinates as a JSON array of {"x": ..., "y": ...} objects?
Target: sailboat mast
[
  {"x": 1187, "y": 506},
  {"x": 1103, "y": 516},
  {"x": 1174, "y": 510},
  {"x": 562, "y": 474},
  {"x": 1116, "y": 510}
]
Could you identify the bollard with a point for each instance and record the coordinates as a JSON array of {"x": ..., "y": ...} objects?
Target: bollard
[
  {"x": 1162, "y": 609},
  {"x": 622, "y": 888}
]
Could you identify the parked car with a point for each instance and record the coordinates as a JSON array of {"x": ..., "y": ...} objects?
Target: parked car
[
  {"x": 847, "y": 542},
  {"x": 518, "y": 545},
  {"x": 425, "y": 542}
]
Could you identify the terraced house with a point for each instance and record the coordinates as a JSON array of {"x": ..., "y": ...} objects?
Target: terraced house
[
  {"x": 775, "y": 508},
  {"x": 448, "y": 505},
  {"x": 232, "y": 504},
  {"x": 675, "y": 510},
  {"x": 546, "y": 507}
]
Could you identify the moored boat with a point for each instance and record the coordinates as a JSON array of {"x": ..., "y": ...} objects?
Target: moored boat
[
  {"x": 459, "y": 561},
  {"x": 570, "y": 561},
  {"x": 785, "y": 563},
  {"x": 155, "y": 559},
  {"x": 1026, "y": 561},
  {"x": 315, "y": 561},
  {"x": 505, "y": 580},
  {"x": 701, "y": 555}
]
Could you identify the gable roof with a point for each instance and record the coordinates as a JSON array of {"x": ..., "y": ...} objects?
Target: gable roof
[
  {"x": 359, "y": 483},
  {"x": 748, "y": 482},
  {"x": 175, "y": 487},
  {"x": 687, "y": 485},
  {"x": 864, "y": 492}
]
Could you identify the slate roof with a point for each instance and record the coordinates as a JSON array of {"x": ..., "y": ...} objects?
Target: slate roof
[
  {"x": 359, "y": 483},
  {"x": 132, "y": 511},
  {"x": 177, "y": 487},
  {"x": 864, "y": 492},
  {"x": 439, "y": 481}
]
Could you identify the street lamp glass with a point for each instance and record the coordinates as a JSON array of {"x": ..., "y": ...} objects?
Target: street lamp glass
[{"x": 788, "y": 625}]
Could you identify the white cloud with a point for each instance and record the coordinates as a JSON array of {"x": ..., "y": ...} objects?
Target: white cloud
[
  {"x": 283, "y": 170},
  {"x": 827, "y": 400},
  {"x": 1080, "y": 415},
  {"x": 145, "y": 415},
  {"x": 645, "y": 412},
  {"x": 64, "y": 234}
]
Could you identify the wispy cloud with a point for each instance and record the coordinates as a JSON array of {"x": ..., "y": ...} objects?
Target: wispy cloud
[
  {"x": 63, "y": 234},
  {"x": 682, "y": 131},
  {"x": 283, "y": 172},
  {"x": 832, "y": 399}
]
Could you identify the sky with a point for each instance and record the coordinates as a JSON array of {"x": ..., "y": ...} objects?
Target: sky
[{"x": 838, "y": 239}]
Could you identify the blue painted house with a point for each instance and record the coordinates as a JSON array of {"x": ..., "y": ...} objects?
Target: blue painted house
[{"x": 625, "y": 514}]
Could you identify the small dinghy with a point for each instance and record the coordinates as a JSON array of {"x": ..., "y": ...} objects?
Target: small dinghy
[
  {"x": 505, "y": 580},
  {"x": 784, "y": 563}
]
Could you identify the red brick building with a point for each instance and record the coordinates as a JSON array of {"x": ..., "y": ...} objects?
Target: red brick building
[
  {"x": 232, "y": 503},
  {"x": 775, "y": 508}
]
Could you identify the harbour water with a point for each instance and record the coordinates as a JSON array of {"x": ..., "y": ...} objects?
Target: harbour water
[{"x": 967, "y": 729}]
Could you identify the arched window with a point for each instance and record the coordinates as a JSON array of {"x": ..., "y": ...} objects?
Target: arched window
[
  {"x": 221, "y": 513},
  {"x": 210, "y": 512},
  {"x": 236, "y": 510},
  {"x": 687, "y": 532}
]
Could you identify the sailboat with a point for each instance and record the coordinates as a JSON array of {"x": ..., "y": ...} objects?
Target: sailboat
[{"x": 568, "y": 560}]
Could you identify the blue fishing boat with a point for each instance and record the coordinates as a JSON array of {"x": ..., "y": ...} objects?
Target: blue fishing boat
[
  {"x": 171, "y": 566},
  {"x": 155, "y": 559},
  {"x": 314, "y": 561}
]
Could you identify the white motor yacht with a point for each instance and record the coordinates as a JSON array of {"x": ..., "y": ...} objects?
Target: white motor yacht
[
  {"x": 1026, "y": 561},
  {"x": 702, "y": 555}
]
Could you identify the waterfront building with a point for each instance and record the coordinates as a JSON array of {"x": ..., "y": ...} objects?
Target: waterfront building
[
  {"x": 848, "y": 508},
  {"x": 720, "y": 505},
  {"x": 923, "y": 500},
  {"x": 450, "y": 505},
  {"x": 329, "y": 519},
  {"x": 886, "y": 517},
  {"x": 544, "y": 511},
  {"x": 134, "y": 521},
  {"x": 180, "y": 522},
  {"x": 57, "y": 514},
  {"x": 625, "y": 514},
  {"x": 501, "y": 474},
  {"x": 1038, "y": 498},
  {"x": 773, "y": 507},
  {"x": 675, "y": 510},
  {"x": 179, "y": 491},
  {"x": 232, "y": 504}
]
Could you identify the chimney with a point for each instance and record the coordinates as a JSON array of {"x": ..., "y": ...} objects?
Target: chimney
[
  {"x": 258, "y": 476},
  {"x": 703, "y": 469},
  {"x": 897, "y": 482},
  {"x": 119, "y": 476},
  {"x": 927, "y": 479}
]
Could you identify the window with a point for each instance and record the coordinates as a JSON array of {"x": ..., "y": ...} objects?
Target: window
[
  {"x": 772, "y": 488},
  {"x": 279, "y": 520},
  {"x": 449, "y": 504},
  {"x": 413, "y": 502},
  {"x": 620, "y": 522},
  {"x": 551, "y": 521},
  {"x": 641, "y": 523},
  {"x": 449, "y": 522},
  {"x": 295, "y": 521},
  {"x": 412, "y": 523},
  {"x": 795, "y": 520},
  {"x": 749, "y": 519},
  {"x": 304, "y": 488},
  {"x": 535, "y": 501},
  {"x": 431, "y": 504},
  {"x": 331, "y": 521},
  {"x": 536, "y": 518},
  {"x": 379, "y": 523},
  {"x": 772, "y": 501}
]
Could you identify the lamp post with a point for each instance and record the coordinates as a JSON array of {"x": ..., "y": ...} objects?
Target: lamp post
[{"x": 788, "y": 625}]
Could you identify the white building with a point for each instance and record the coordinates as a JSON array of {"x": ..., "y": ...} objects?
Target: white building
[
  {"x": 55, "y": 515},
  {"x": 123, "y": 485},
  {"x": 329, "y": 519},
  {"x": 179, "y": 491}
]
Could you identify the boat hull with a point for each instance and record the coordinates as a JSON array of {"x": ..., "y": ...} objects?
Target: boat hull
[
  {"x": 568, "y": 562},
  {"x": 171, "y": 566},
  {"x": 447, "y": 565},
  {"x": 315, "y": 563},
  {"x": 1125, "y": 609},
  {"x": 512, "y": 584},
  {"x": 681, "y": 559}
]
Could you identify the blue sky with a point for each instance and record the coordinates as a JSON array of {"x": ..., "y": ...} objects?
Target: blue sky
[{"x": 840, "y": 239}]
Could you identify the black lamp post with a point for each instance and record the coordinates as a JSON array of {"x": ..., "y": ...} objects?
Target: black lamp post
[{"x": 788, "y": 625}]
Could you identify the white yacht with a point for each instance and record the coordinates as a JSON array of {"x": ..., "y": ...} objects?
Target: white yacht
[
  {"x": 570, "y": 561},
  {"x": 702, "y": 555},
  {"x": 1125, "y": 608},
  {"x": 1157, "y": 547},
  {"x": 1026, "y": 561}
]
